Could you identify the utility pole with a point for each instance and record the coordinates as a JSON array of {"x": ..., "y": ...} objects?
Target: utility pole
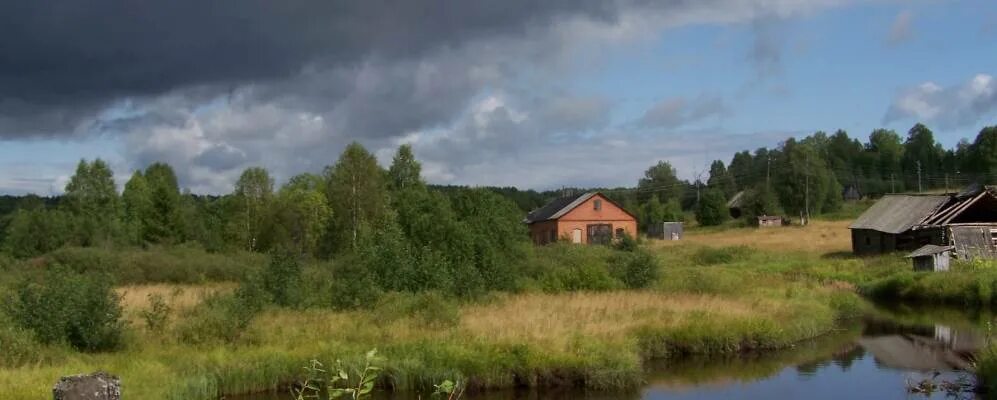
[
  {"x": 893, "y": 186},
  {"x": 946, "y": 182},
  {"x": 806, "y": 198},
  {"x": 768, "y": 172},
  {"x": 919, "y": 176}
]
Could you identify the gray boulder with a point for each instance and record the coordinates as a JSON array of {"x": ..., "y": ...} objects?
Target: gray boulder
[{"x": 96, "y": 386}]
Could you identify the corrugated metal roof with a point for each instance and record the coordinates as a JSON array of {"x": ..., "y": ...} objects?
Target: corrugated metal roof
[
  {"x": 896, "y": 213},
  {"x": 557, "y": 207},
  {"x": 928, "y": 250}
]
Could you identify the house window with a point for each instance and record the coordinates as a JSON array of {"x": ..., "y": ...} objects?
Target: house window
[
  {"x": 868, "y": 241},
  {"x": 597, "y": 205},
  {"x": 619, "y": 233}
]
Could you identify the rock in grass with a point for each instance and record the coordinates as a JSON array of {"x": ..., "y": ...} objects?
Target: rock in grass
[{"x": 96, "y": 386}]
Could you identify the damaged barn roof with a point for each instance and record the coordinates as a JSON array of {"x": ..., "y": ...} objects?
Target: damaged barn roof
[{"x": 896, "y": 213}]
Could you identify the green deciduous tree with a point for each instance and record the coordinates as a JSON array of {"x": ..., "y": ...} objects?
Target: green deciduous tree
[
  {"x": 252, "y": 200},
  {"x": 302, "y": 213},
  {"x": 92, "y": 200},
  {"x": 137, "y": 201},
  {"x": 712, "y": 208},
  {"x": 35, "y": 232},
  {"x": 357, "y": 192},
  {"x": 404, "y": 171},
  {"x": 661, "y": 179}
]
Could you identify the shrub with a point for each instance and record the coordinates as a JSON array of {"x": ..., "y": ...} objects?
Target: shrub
[
  {"x": 721, "y": 255},
  {"x": 158, "y": 314},
  {"x": 352, "y": 285},
  {"x": 429, "y": 309},
  {"x": 626, "y": 243},
  {"x": 281, "y": 279},
  {"x": 180, "y": 264},
  {"x": 64, "y": 306},
  {"x": 636, "y": 269},
  {"x": 219, "y": 318},
  {"x": 18, "y": 346},
  {"x": 567, "y": 267}
]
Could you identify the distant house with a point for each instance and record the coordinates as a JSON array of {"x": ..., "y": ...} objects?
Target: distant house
[
  {"x": 967, "y": 221},
  {"x": 765, "y": 221},
  {"x": 584, "y": 218}
]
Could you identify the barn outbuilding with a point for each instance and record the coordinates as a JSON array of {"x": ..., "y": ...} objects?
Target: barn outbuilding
[
  {"x": 931, "y": 258},
  {"x": 967, "y": 221},
  {"x": 735, "y": 206},
  {"x": 590, "y": 218}
]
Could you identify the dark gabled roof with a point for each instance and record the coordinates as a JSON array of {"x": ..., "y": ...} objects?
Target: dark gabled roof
[
  {"x": 896, "y": 213},
  {"x": 927, "y": 250},
  {"x": 737, "y": 200},
  {"x": 560, "y": 206}
]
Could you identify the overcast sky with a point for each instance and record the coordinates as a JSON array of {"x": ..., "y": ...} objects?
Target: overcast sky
[{"x": 533, "y": 94}]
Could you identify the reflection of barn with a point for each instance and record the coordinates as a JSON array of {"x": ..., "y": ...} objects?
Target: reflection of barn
[
  {"x": 924, "y": 348},
  {"x": 967, "y": 221}
]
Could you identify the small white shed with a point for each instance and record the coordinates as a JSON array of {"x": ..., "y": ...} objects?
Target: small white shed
[{"x": 931, "y": 258}]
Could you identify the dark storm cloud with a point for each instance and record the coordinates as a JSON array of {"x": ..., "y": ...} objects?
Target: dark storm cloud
[{"x": 65, "y": 59}]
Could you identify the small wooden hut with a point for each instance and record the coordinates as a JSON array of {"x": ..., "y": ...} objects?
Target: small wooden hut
[
  {"x": 767, "y": 221},
  {"x": 931, "y": 258}
]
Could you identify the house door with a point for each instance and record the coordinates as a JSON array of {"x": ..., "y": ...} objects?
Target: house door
[
  {"x": 600, "y": 233},
  {"x": 576, "y": 236}
]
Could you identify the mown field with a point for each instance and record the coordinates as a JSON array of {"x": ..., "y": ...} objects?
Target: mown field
[{"x": 574, "y": 321}]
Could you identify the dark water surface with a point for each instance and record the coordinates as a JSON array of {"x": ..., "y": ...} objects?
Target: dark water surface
[{"x": 874, "y": 359}]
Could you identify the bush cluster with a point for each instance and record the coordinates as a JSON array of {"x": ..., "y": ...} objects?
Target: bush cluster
[
  {"x": 180, "y": 264},
  {"x": 64, "y": 306},
  {"x": 223, "y": 317}
]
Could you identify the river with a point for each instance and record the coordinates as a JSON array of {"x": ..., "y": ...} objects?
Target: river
[{"x": 878, "y": 358}]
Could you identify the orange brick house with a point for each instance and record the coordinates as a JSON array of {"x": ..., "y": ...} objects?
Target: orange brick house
[{"x": 583, "y": 218}]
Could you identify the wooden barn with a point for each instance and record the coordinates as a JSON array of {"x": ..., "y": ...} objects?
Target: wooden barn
[
  {"x": 967, "y": 221},
  {"x": 590, "y": 218}
]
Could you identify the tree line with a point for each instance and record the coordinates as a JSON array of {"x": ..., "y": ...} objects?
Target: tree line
[
  {"x": 388, "y": 223},
  {"x": 808, "y": 176},
  {"x": 325, "y": 214}
]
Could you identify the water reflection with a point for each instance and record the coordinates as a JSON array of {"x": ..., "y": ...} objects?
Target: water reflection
[{"x": 877, "y": 358}]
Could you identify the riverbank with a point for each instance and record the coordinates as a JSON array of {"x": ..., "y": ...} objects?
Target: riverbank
[
  {"x": 595, "y": 340},
  {"x": 711, "y": 299}
]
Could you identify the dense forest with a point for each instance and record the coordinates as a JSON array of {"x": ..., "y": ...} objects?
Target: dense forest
[{"x": 324, "y": 214}]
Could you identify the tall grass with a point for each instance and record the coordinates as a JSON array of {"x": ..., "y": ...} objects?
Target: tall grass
[{"x": 569, "y": 321}]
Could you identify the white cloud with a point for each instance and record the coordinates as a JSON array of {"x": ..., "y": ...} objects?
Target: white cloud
[
  {"x": 679, "y": 111},
  {"x": 955, "y": 106},
  {"x": 487, "y": 110}
]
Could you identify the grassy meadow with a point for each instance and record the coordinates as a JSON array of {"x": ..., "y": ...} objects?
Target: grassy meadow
[{"x": 571, "y": 322}]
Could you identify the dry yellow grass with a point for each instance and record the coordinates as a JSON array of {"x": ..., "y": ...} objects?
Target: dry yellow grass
[
  {"x": 553, "y": 318},
  {"x": 135, "y": 298},
  {"x": 820, "y": 237}
]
